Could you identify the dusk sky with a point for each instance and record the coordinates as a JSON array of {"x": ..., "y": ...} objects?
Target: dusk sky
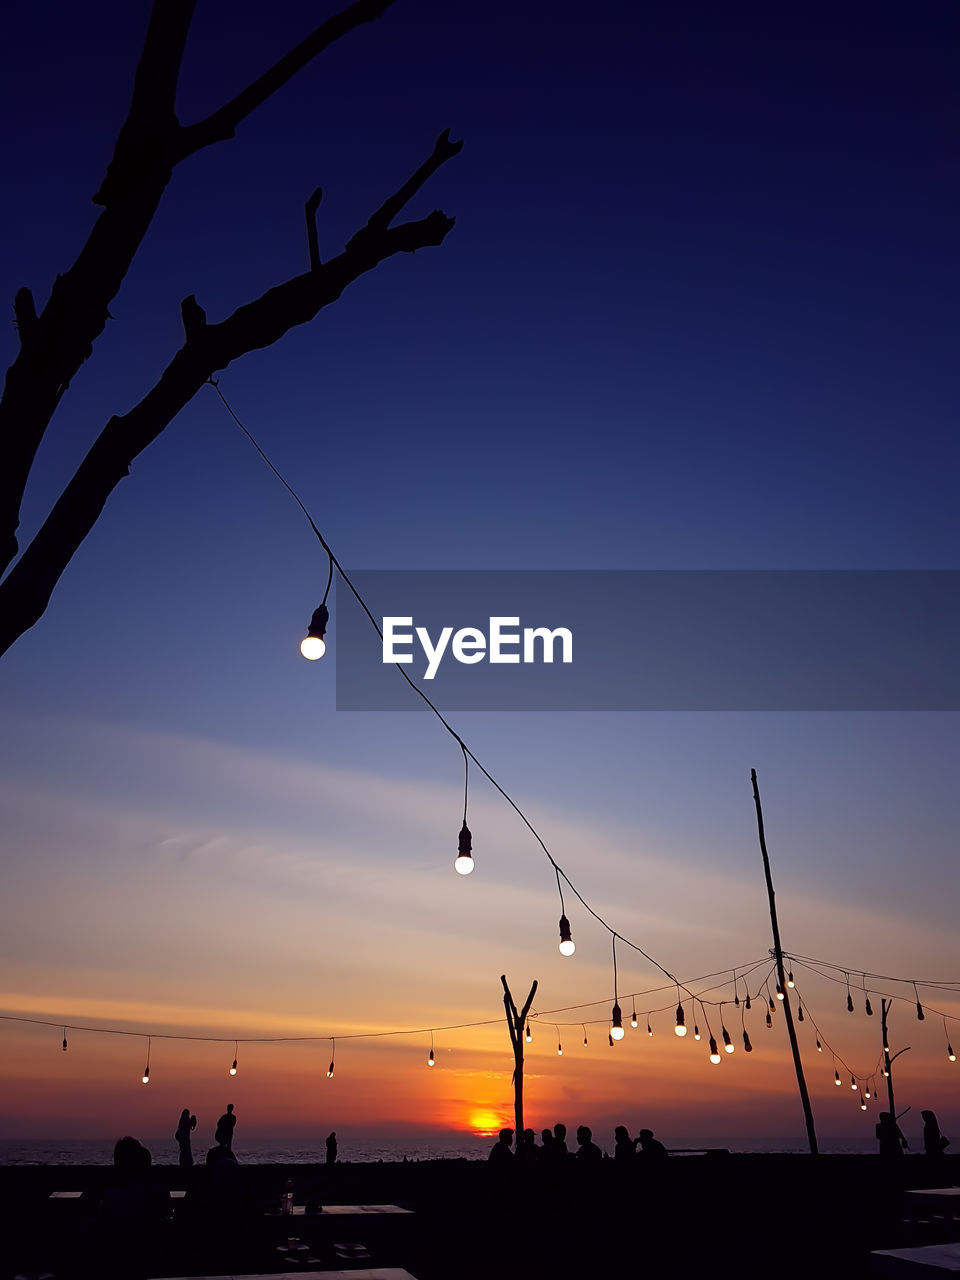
[{"x": 698, "y": 311}]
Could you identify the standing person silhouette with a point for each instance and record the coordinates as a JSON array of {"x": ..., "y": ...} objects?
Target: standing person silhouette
[
  {"x": 934, "y": 1142},
  {"x": 331, "y": 1148},
  {"x": 223, "y": 1136},
  {"x": 182, "y": 1136},
  {"x": 560, "y": 1138}
]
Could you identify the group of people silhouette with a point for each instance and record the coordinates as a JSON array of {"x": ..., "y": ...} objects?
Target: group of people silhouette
[
  {"x": 222, "y": 1148},
  {"x": 552, "y": 1152},
  {"x": 892, "y": 1142}
]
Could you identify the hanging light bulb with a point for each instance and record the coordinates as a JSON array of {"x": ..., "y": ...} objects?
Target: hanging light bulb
[
  {"x": 853, "y": 1084},
  {"x": 771, "y": 1003},
  {"x": 463, "y": 863},
  {"x": 919, "y": 1011},
  {"x": 567, "y": 944},
  {"x": 800, "y": 1013},
  {"x": 233, "y": 1068},
  {"x": 696, "y": 1032},
  {"x": 728, "y": 1045},
  {"x": 610, "y": 1039},
  {"x": 769, "y": 1019},
  {"x": 863, "y": 1103},
  {"x": 747, "y": 1046},
  {"x": 431, "y": 1061},
  {"x": 836, "y": 1078},
  {"x": 849, "y": 1003},
  {"x": 951, "y": 1056},
  {"x": 559, "y": 1049},
  {"x": 780, "y": 994},
  {"x": 313, "y": 645},
  {"x": 633, "y": 1017},
  {"x": 868, "y": 1007},
  {"x": 236, "y": 1054},
  {"x": 585, "y": 1039},
  {"x": 64, "y": 1045},
  {"x": 714, "y": 1051},
  {"x": 649, "y": 1028},
  {"x": 330, "y": 1070},
  {"x": 680, "y": 1029},
  {"x": 527, "y": 1036},
  {"x": 616, "y": 1017},
  {"x": 819, "y": 1046},
  {"x": 790, "y": 981},
  {"x": 746, "y": 1003},
  {"x": 886, "y": 1072},
  {"x": 145, "y": 1078},
  {"x": 866, "y": 1092}
]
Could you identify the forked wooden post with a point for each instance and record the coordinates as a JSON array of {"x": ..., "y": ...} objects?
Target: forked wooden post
[{"x": 515, "y": 1025}]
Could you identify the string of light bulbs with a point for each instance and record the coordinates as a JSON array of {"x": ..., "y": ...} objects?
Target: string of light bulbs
[{"x": 464, "y": 863}]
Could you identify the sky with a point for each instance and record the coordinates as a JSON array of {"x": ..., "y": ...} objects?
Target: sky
[{"x": 697, "y": 312}]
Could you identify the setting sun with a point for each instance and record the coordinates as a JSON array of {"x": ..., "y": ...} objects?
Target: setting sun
[{"x": 486, "y": 1123}]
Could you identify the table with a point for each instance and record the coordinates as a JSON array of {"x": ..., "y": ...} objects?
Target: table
[
  {"x": 75, "y": 1195},
  {"x": 331, "y": 1209},
  {"x": 369, "y": 1273},
  {"x": 926, "y": 1261}
]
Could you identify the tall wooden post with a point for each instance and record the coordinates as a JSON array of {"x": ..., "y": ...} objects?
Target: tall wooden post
[
  {"x": 515, "y": 1025},
  {"x": 781, "y": 976},
  {"x": 888, "y": 1060}
]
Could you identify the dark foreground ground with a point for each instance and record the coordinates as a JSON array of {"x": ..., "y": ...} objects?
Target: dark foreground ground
[{"x": 712, "y": 1216}]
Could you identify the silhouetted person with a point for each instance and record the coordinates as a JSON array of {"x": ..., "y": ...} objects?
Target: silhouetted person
[
  {"x": 890, "y": 1138},
  {"x": 934, "y": 1143},
  {"x": 546, "y": 1153},
  {"x": 527, "y": 1151},
  {"x": 652, "y": 1151},
  {"x": 225, "y": 1127},
  {"x": 500, "y": 1162},
  {"x": 589, "y": 1154},
  {"x": 184, "y": 1128},
  {"x": 623, "y": 1148},
  {"x": 331, "y": 1148},
  {"x": 560, "y": 1138},
  {"x": 133, "y": 1209}
]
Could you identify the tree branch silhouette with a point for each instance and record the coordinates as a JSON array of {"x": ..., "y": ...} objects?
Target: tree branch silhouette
[{"x": 56, "y": 342}]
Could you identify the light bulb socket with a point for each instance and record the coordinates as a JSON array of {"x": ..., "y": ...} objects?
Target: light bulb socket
[
  {"x": 747, "y": 1046},
  {"x": 868, "y": 1007},
  {"x": 616, "y": 1016},
  {"x": 318, "y": 622},
  {"x": 680, "y": 1021},
  {"x": 330, "y": 1071},
  {"x": 919, "y": 1011},
  {"x": 465, "y": 850}
]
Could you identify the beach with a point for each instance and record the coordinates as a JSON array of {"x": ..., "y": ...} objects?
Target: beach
[{"x": 712, "y": 1215}]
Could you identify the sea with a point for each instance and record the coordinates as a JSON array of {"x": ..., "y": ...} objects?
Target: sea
[{"x": 454, "y": 1146}]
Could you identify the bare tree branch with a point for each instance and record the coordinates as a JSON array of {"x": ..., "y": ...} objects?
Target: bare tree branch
[
  {"x": 443, "y": 150},
  {"x": 313, "y": 244},
  {"x": 26, "y": 591},
  {"x": 149, "y": 145},
  {"x": 222, "y": 124}
]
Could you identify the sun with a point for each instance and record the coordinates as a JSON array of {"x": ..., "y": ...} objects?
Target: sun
[{"x": 485, "y": 1123}]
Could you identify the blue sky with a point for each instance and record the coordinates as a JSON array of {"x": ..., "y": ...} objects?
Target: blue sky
[{"x": 697, "y": 312}]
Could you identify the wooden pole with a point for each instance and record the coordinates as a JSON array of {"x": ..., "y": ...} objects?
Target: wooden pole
[
  {"x": 888, "y": 1060},
  {"x": 515, "y": 1025},
  {"x": 781, "y": 976}
]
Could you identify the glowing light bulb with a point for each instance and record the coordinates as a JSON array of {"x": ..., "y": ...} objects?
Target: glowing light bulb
[
  {"x": 680, "y": 1029},
  {"x": 584, "y": 1041},
  {"x": 866, "y": 1093},
  {"x": 233, "y": 1069},
  {"x": 714, "y": 1052},
  {"x": 819, "y": 1047},
  {"x": 863, "y": 1104},
  {"x": 853, "y": 1084},
  {"x": 780, "y": 994},
  {"x": 616, "y": 1017},
  {"x": 728, "y": 1045},
  {"x": 330, "y": 1071},
  {"x": 649, "y": 1029},
  {"x": 528, "y": 1037},
  {"x": 559, "y": 1049},
  {"x": 463, "y": 863},
  {"x": 790, "y": 981},
  {"x": 567, "y": 944},
  {"x": 836, "y": 1079},
  {"x": 145, "y": 1078},
  {"x": 696, "y": 1032},
  {"x": 951, "y": 1056},
  {"x": 633, "y": 1018},
  {"x": 747, "y": 1046},
  {"x": 431, "y": 1061},
  {"x": 313, "y": 645}
]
